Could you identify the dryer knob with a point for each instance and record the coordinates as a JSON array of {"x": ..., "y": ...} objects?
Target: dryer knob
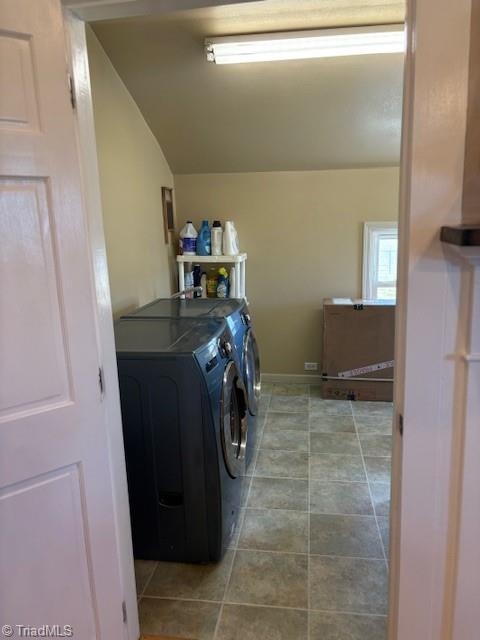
[{"x": 227, "y": 347}]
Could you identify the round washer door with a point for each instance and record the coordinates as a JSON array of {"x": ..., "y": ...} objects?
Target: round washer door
[
  {"x": 233, "y": 415},
  {"x": 251, "y": 359}
]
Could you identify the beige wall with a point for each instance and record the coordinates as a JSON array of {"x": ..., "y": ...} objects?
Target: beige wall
[
  {"x": 303, "y": 235},
  {"x": 133, "y": 170}
]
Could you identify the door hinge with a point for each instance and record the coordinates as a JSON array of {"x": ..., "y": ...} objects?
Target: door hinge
[
  {"x": 101, "y": 383},
  {"x": 400, "y": 424},
  {"x": 71, "y": 87},
  {"x": 124, "y": 612}
]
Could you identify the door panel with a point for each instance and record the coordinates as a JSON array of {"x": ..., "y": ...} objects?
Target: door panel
[
  {"x": 40, "y": 583},
  {"x": 18, "y": 99},
  {"x": 58, "y": 543},
  {"x": 29, "y": 277}
]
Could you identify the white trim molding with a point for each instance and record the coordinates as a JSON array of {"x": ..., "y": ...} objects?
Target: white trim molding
[
  {"x": 432, "y": 390},
  {"x": 291, "y": 378},
  {"x": 464, "y": 527},
  {"x": 87, "y": 150}
]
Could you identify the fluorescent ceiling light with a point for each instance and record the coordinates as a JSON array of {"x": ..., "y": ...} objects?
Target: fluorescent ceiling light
[{"x": 299, "y": 45}]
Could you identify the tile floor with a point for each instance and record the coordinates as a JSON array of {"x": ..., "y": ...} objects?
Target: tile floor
[{"x": 310, "y": 559}]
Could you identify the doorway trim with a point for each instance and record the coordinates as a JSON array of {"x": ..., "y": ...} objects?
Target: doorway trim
[
  {"x": 87, "y": 151},
  {"x": 430, "y": 326}
]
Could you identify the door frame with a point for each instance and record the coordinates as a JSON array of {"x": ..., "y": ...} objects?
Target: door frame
[
  {"x": 432, "y": 303},
  {"x": 422, "y": 585},
  {"x": 77, "y": 62}
]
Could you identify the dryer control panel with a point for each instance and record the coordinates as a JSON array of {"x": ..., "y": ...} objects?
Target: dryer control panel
[
  {"x": 216, "y": 352},
  {"x": 247, "y": 318}
]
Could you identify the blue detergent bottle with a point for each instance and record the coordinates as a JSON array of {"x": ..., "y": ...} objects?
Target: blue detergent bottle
[{"x": 204, "y": 240}]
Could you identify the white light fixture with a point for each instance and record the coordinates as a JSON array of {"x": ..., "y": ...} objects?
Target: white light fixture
[{"x": 298, "y": 45}]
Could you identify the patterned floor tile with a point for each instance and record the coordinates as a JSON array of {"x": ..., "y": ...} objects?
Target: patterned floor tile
[
  {"x": 296, "y": 420},
  {"x": 329, "y": 466},
  {"x": 340, "y": 497},
  {"x": 289, "y": 403},
  {"x": 348, "y": 584},
  {"x": 285, "y": 440},
  {"x": 336, "y": 535},
  {"x": 276, "y": 579},
  {"x": 241, "y": 622},
  {"x": 278, "y": 493},
  {"x": 178, "y": 618},
  {"x": 193, "y": 581},
  {"x": 346, "y": 443},
  {"x": 329, "y": 626},
  {"x": 282, "y": 464},
  {"x": 275, "y": 530}
]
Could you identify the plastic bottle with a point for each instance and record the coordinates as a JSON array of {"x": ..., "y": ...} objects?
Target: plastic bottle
[
  {"x": 197, "y": 275},
  {"x": 217, "y": 238},
  {"x": 222, "y": 286},
  {"x": 203, "y": 284},
  {"x": 230, "y": 239},
  {"x": 188, "y": 239},
  {"x": 204, "y": 242},
  {"x": 233, "y": 284},
  {"x": 212, "y": 281},
  {"x": 188, "y": 280}
]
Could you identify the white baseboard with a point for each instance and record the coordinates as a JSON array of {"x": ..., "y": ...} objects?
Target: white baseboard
[{"x": 291, "y": 378}]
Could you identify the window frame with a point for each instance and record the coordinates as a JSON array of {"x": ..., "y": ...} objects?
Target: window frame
[{"x": 371, "y": 233}]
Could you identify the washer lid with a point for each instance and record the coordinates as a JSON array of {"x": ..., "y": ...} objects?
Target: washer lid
[
  {"x": 227, "y": 307},
  {"x": 196, "y": 308},
  {"x": 156, "y": 336}
]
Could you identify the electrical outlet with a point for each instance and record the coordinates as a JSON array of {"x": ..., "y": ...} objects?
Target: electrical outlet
[{"x": 310, "y": 366}]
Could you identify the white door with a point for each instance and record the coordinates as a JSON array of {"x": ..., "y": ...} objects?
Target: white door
[{"x": 58, "y": 553}]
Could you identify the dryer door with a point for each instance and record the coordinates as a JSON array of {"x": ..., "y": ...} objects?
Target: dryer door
[
  {"x": 251, "y": 359},
  {"x": 233, "y": 417}
]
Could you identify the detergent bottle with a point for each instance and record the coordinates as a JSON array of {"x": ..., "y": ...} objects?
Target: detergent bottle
[
  {"x": 230, "y": 240},
  {"x": 197, "y": 277},
  {"x": 212, "y": 282},
  {"x": 188, "y": 239},
  {"x": 217, "y": 238},
  {"x": 222, "y": 286},
  {"x": 204, "y": 242},
  {"x": 188, "y": 280}
]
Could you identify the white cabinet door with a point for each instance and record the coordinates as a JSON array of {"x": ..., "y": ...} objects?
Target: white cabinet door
[{"x": 58, "y": 549}]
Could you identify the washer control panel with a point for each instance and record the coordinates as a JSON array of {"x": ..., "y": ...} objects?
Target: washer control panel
[{"x": 217, "y": 352}]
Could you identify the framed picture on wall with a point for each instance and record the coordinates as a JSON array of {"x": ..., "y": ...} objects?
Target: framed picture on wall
[{"x": 168, "y": 212}]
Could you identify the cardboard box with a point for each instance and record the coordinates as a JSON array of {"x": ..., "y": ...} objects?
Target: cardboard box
[{"x": 358, "y": 348}]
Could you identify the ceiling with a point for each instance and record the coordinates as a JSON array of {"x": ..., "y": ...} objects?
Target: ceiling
[
  {"x": 293, "y": 115},
  {"x": 90, "y": 10}
]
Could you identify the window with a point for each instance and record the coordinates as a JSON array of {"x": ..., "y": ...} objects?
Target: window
[{"x": 380, "y": 244}]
